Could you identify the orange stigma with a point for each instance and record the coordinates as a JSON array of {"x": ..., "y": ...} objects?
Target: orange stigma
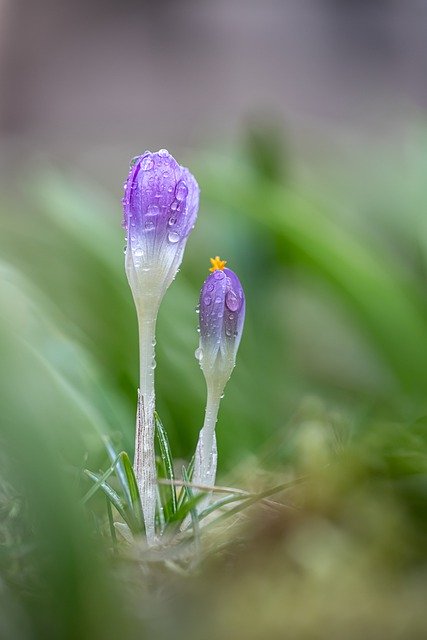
[{"x": 217, "y": 264}]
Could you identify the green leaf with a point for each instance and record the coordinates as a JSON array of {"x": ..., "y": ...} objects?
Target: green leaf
[
  {"x": 133, "y": 491},
  {"x": 120, "y": 471},
  {"x": 108, "y": 491},
  {"x": 193, "y": 511},
  {"x": 170, "y": 506},
  {"x": 100, "y": 480}
]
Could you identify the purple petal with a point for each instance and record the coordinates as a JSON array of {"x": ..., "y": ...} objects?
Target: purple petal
[
  {"x": 222, "y": 312},
  {"x": 160, "y": 202}
]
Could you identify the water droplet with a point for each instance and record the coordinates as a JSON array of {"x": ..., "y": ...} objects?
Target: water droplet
[
  {"x": 231, "y": 316},
  {"x": 163, "y": 153},
  {"x": 165, "y": 174},
  {"x": 147, "y": 163},
  {"x": 210, "y": 287},
  {"x": 199, "y": 353},
  {"x": 133, "y": 161},
  {"x": 173, "y": 237},
  {"x": 138, "y": 252},
  {"x": 217, "y": 300},
  {"x": 232, "y": 301},
  {"x": 149, "y": 225},
  {"x": 174, "y": 205},
  {"x": 181, "y": 191},
  {"x": 153, "y": 363},
  {"x": 218, "y": 274},
  {"x": 207, "y": 300},
  {"x": 221, "y": 396},
  {"x": 171, "y": 221},
  {"x": 152, "y": 210},
  {"x": 228, "y": 332},
  {"x": 170, "y": 189}
]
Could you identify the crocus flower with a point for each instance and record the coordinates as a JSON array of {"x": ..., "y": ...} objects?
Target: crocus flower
[
  {"x": 160, "y": 206},
  {"x": 221, "y": 319}
]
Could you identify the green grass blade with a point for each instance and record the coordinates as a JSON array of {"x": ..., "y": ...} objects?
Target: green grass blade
[
  {"x": 193, "y": 511},
  {"x": 111, "y": 525},
  {"x": 120, "y": 471},
  {"x": 221, "y": 503},
  {"x": 166, "y": 457},
  {"x": 109, "y": 492},
  {"x": 257, "y": 497},
  {"x": 183, "y": 495},
  {"x": 133, "y": 491},
  {"x": 99, "y": 481}
]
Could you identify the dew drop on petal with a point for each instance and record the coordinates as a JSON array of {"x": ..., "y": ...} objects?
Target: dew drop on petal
[
  {"x": 218, "y": 275},
  {"x": 149, "y": 225},
  {"x": 218, "y": 300},
  {"x": 210, "y": 287},
  {"x": 173, "y": 237},
  {"x": 181, "y": 191},
  {"x": 171, "y": 221},
  {"x": 232, "y": 301},
  {"x": 174, "y": 205},
  {"x": 152, "y": 210},
  {"x": 138, "y": 252},
  {"x": 163, "y": 153},
  {"x": 207, "y": 300},
  {"x": 199, "y": 353},
  {"x": 147, "y": 163}
]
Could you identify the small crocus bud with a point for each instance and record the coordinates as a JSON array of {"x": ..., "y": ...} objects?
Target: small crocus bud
[
  {"x": 160, "y": 206},
  {"x": 222, "y": 315}
]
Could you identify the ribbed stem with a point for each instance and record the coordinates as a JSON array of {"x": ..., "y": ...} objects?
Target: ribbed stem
[{"x": 145, "y": 459}]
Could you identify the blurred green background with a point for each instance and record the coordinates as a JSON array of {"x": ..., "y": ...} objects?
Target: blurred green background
[{"x": 304, "y": 126}]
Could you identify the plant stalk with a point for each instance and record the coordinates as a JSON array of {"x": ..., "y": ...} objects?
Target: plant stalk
[
  {"x": 206, "y": 453},
  {"x": 145, "y": 459}
]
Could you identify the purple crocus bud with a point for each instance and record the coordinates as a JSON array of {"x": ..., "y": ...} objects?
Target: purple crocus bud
[
  {"x": 160, "y": 206},
  {"x": 222, "y": 314}
]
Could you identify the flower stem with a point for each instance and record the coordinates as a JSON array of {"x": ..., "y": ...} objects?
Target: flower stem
[
  {"x": 145, "y": 459},
  {"x": 206, "y": 455}
]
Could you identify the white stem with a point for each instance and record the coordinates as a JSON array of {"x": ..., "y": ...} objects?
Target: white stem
[
  {"x": 206, "y": 456},
  {"x": 205, "y": 460},
  {"x": 145, "y": 459}
]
